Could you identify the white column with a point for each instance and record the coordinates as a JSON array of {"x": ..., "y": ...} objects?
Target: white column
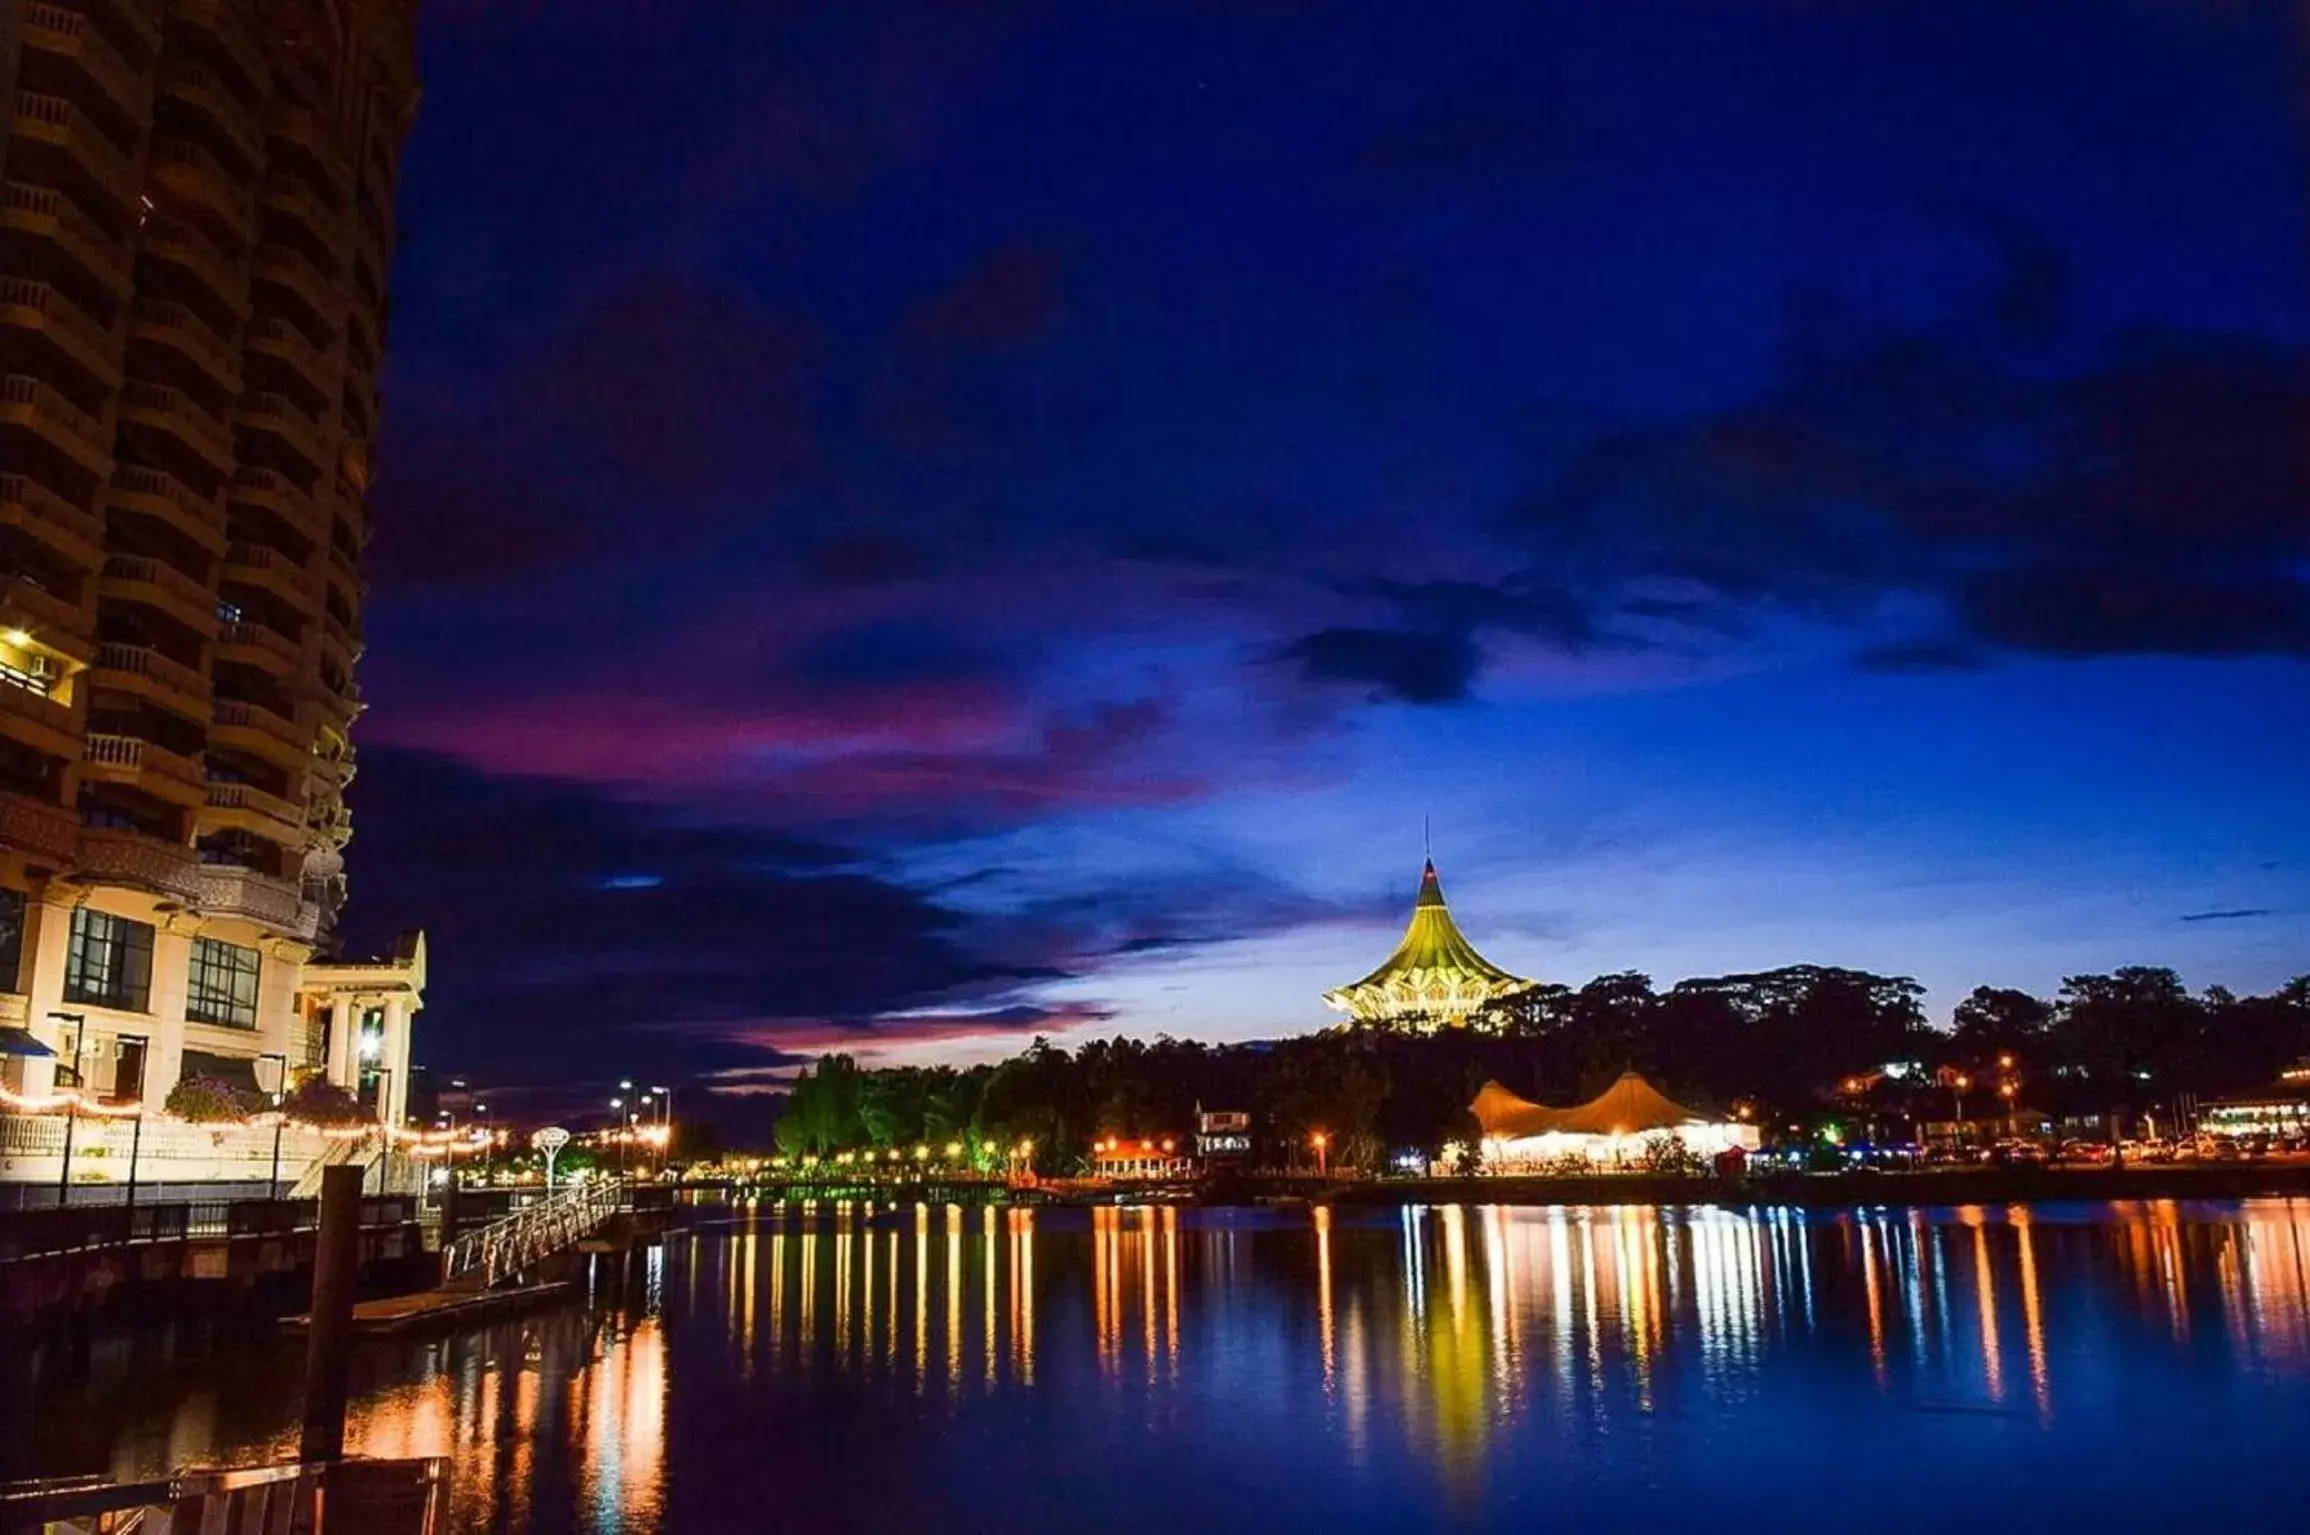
[
  {"x": 344, "y": 1019},
  {"x": 171, "y": 974},
  {"x": 396, "y": 1058}
]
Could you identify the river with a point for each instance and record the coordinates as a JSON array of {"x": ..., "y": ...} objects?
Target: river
[{"x": 941, "y": 1369}]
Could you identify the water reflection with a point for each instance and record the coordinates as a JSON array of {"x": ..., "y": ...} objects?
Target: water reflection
[{"x": 1434, "y": 1358}]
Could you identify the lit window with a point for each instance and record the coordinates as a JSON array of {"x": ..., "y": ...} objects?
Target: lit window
[
  {"x": 223, "y": 989},
  {"x": 108, "y": 962}
]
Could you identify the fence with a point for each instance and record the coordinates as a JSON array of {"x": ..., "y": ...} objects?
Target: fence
[{"x": 45, "y": 1233}]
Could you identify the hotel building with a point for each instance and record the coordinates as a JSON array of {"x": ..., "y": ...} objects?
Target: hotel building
[{"x": 196, "y": 221}]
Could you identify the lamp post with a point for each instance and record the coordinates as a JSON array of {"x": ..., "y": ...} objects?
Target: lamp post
[
  {"x": 135, "y": 1129},
  {"x": 79, "y": 1022},
  {"x": 1322, "y": 1144},
  {"x": 280, "y": 1080}
]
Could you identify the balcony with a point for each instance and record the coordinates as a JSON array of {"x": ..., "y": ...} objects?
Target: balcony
[
  {"x": 155, "y": 769},
  {"x": 115, "y": 856},
  {"x": 33, "y": 826},
  {"x": 46, "y": 212},
  {"x": 252, "y": 644},
  {"x": 224, "y": 22},
  {"x": 200, "y": 518},
  {"x": 260, "y": 565},
  {"x": 191, "y": 171},
  {"x": 290, "y": 195},
  {"x": 225, "y": 891},
  {"x": 39, "y": 719},
  {"x": 275, "y": 337},
  {"x": 142, "y": 670},
  {"x": 287, "y": 420},
  {"x": 34, "y": 306},
  {"x": 258, "y": 730},
  {"x": 280, "y": 495},
  {"x": 172, "y": 410},
  {"x": 215, "y": 101},
  {"x": 302, "y": 126},
  {"x": 53, "y": 29},
  {"x": 177, "y": 327},
  {"x": 35, "y": 406},
  {"x": 203, "y": 257},
  {"x": 294, "y": 270},
  {"x": 26, "y": 604},
  {"x": 245, "y": 805},
  {"x": 72, "y": 531},
  {"x": 156, "y": 583},
  {"x": 53, "y": 120}
]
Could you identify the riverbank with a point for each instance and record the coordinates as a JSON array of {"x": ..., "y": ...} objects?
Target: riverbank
[{"x": 1939, "y": 1186}]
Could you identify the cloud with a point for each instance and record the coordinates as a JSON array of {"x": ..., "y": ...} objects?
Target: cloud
[
  {"x": 2146, "y": 499},
  {"x": 1392, "y": 664},
  {"x": 2239, "y": 914},
  {"x": 1011, "y": 297}
]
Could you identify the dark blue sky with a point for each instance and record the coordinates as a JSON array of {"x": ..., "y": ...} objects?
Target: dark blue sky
[{"x": 911, "y": 525}]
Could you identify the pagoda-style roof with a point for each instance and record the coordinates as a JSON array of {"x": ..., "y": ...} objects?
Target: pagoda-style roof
[
  {"x": 1630, "y": 1106},
  {"x": 1435, "y": 976}
]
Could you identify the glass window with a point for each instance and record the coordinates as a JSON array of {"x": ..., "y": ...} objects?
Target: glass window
[
  {"x": 11, "y": 938},
  {"x": 224, "y": 984},
  {"x": 109, "y": 962}
]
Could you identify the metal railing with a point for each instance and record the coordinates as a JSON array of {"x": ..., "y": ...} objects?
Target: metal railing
[
  {"x": 41, "y": 1233},
  {"x": 483, "y": 1259}
]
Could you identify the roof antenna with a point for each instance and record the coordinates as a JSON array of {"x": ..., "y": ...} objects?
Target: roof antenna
[{"x": 1427, "y": 843}]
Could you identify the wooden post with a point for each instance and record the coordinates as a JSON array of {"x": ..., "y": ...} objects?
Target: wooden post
[
  {"x": 329, "y": 1340},
  {"x": 449, "y": 1222}
]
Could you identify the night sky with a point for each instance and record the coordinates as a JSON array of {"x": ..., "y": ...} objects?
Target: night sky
[{"x": 903, "y": 527}]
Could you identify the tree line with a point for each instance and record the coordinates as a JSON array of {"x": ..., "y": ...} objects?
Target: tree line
[{"x": 1783, "y": 1045}]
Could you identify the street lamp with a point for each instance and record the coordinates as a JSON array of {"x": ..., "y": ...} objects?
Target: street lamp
[
  {"x": 1322, "y": 1144},
  {"x": 280, "y": 1080},
  {"x": 79, "y": 1022},
  {"x": 136, "y": 1128}
]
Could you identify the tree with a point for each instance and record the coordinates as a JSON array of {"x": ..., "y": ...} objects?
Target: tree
[{"x": 1996, "y": 1020}]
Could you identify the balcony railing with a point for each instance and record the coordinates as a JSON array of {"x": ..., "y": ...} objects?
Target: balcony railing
[
  {"x": 39, "y": 709},
  {"x": 232, "y": 714},
  {"x": 170, "y": 408},
  {"x": 179, "y": 326},
  {"x": 189, "y": 598},
  {"x": 53, "y": 120},
  {"x": 39, "y": 405},
  {"x": 98, "y": 344},
  {"x": 189, "y": 82},
  {"x": 144, "y": 661},
  {"x": 286, "y": 817},
  {"x": 286, "y": 419},
  {"x": 203, "y": 257},
  {"x": 254, "y": 636},
  {"x": 33, "y": 502},
  {"x": 61, "y": 31},
  {"x": 133, "y": 755},
  {"x": 223, "y": 21},
  {"x": 35, "y": 826},
  {"x": 22, "y": 594},
  {"x": 190, "y": 165},
  {"x": 294, "y": 270},
  {"x": 28, "y": 205},
  {"x": 226, "y": 891},
  {"x": 302, "y": 126},
  {"x": 109, "y": 853},
  {"x": 276, "y": 337},
  {"x": 153, "y": 490}
]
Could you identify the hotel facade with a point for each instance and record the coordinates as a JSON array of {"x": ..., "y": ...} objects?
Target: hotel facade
[{"x": 196, "y": 221}]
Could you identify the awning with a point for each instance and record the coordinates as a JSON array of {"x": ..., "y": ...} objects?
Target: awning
[
  {"x": 238, "y": 1071},
  {"x": 16, "y": 1041}
]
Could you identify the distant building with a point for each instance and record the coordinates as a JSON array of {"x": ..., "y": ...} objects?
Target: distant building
[
  {"x": 1222, "y": 1135},
  {"x": 1613, "y": 1129},
  {"x": 1434, "y": 979},
  {"x": 1140, "y": 1158},
  {"x": 2283, "y": 1109}
]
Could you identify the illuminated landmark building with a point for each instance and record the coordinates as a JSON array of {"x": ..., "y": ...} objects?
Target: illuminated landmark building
[
  {"x": 196, "y": 216},
  {"x": 1434, "y": 979}
]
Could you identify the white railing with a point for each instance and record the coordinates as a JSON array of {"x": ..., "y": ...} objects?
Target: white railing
[{"x": 502, "y": 1249}]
